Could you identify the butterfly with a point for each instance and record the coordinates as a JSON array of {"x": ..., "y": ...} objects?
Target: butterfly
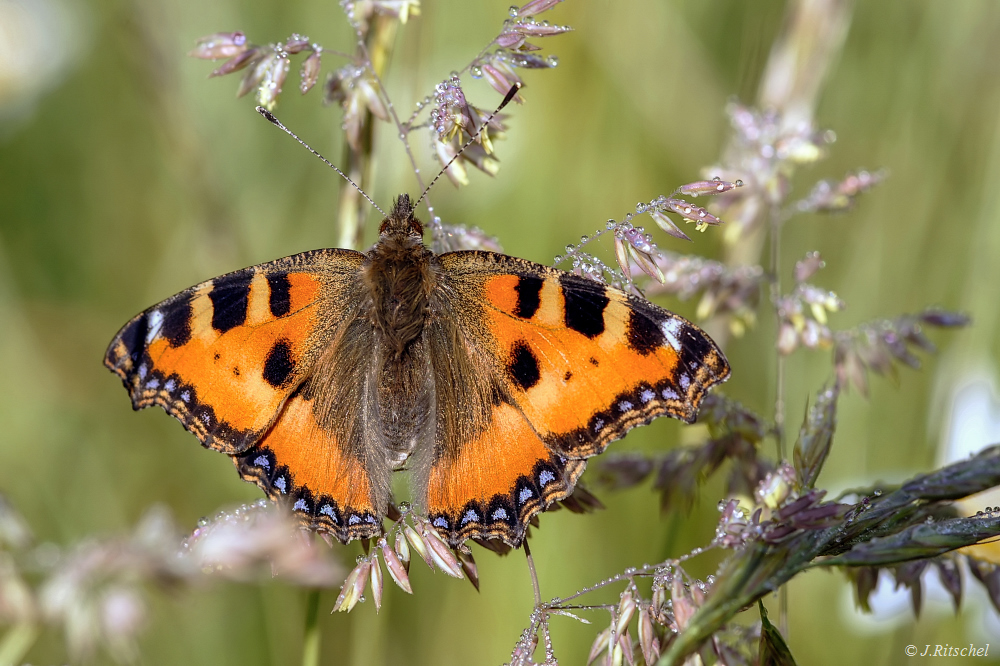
[{"x": 491, "y": 378}]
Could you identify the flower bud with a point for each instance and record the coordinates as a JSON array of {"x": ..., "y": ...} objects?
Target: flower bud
[
  {"x": 220, "y": 45},
  {"x": 441, "y": 554},
  {"x": 309, "y": 73},
  {"x": 396, "y": 569}
]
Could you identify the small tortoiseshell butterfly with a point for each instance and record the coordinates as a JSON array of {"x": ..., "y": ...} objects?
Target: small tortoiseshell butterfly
[{"x": 493, "y": 378}]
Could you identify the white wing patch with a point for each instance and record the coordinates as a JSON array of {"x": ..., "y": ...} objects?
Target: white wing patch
[
  {"x": 155, "y": 324},
  {"x": 671, "y": 331}
]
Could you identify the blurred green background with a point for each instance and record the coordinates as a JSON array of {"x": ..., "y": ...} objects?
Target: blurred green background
[{"x": 126, "y": 175}]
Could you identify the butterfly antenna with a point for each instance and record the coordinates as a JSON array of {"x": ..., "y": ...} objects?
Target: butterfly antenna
[
  {"x": 274, "y": 121},
  {"x": 506, "y": 100}
]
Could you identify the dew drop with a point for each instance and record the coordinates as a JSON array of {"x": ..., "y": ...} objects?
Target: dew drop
[
  {"x": 610, "y": 225},
  {"x": 558, "y": 259},
  {"x": 512, "y": 11},
  {"x": 570, "y": 249},
  {"x": 877, "y": 493},
  {"x": 552, "y": 61},
  {"x": 739, "y": 183},
  {"x": 583, "y": 239},
  {"x": 476, "y": 71}
]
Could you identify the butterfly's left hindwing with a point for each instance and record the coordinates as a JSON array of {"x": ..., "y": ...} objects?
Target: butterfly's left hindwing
[
  {"x": 311, "y": 467},
  {"x": 223, "y": 356},
  {"x": 575, "y": 365}
]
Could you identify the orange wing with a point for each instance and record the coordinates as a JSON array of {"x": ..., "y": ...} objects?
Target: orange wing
[
  {"x": 224, "y": 355},
  {"x": 571, "y": 364}
]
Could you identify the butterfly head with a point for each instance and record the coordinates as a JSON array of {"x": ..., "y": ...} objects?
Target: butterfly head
[{"x": 401, "y": 221}]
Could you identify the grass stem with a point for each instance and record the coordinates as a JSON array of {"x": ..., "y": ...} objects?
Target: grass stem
[{"x": 310, "y": 643}]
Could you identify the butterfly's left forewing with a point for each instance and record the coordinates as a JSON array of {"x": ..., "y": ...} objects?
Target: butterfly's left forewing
[
  {"x": 224, "y": 355},
  {"x": 576, "y": 365},
  {"x": 246, "y": 362}
]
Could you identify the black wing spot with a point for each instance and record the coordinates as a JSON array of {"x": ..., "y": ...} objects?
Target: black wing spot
[
  {"x": 523, "y": 366},
  {"x": 230, "y": 300},
  {"x": 696, "y": 347},
  {"x": 280, "y": 300},
  {"x": 568, "y": 376},
  {"x": 236, "y": 371},
  {"x": 177, "y": 322},
  {"x": 134, "y": 338},
  {"x": 528, "y": 296},
  {"x": 644, "y": 336},
  {"x": 584, "y": 308},
  {"x": 280, "y": 365},
  {"x": 593, "y": 361},
  {"x": 217, "y": 356},
  {"x": 695, "y": 340}
]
